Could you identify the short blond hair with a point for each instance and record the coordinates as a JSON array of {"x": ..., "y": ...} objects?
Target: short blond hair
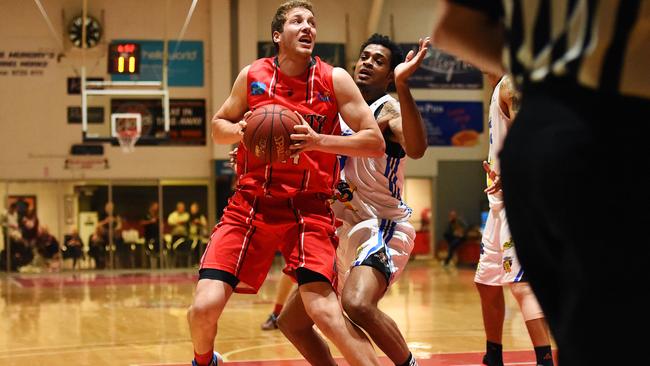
[{"x": 280, "y": 17}]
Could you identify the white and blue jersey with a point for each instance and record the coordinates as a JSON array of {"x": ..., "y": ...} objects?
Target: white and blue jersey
[
  {"x": 498, "y": 264},
  {"x": 375, "y": 229}
]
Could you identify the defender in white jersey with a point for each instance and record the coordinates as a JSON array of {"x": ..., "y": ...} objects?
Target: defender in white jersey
[
  {"x": 498, "y": 265},
  {"x": 375, "y": 238},
  {"x": 375, "y": 230}
]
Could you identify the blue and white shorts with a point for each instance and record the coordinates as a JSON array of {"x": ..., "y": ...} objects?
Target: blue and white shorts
[
  {"x": 498, "y": 264},
  {"x": 382, "y": 244}
]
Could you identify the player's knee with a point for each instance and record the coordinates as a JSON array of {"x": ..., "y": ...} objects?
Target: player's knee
[
  {"x": 203, "y": 312},
  {"x": 326, "y": 316},
  {"x": 358, "y": 308},
  {"x": 528, "y": 304}
]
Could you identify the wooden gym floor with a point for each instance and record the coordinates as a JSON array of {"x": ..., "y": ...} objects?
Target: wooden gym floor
[{"x": 138, "y": 318}]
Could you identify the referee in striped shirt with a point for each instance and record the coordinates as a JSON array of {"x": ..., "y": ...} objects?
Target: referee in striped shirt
[{"x": 575, "y": 163}]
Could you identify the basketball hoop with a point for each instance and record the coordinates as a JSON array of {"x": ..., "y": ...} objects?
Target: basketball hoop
[
  {"x": 126, "y": 129},
  {"x": 127, "y": 140}
]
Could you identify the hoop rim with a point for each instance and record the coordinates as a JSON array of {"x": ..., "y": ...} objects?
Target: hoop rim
[{"x": 115, "y": 116}]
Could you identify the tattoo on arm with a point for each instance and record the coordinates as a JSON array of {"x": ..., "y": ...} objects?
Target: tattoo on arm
[
  {"x": 513, "y": 94},
  {"x": 516, "y": 101},
  {"x": 389, "y": 111}
]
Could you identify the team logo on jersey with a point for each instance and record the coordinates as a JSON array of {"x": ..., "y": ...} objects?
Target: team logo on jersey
[
  {"x": 316, "y": 121},
  {"x": 324, "y": 96},
  {"x": 507, "y": 264},
  {"x": 509, "y": 244},
  {"x": 258, "y": 88}
]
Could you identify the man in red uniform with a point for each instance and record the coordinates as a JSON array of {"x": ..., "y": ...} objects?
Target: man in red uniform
[{"x": 286, "y": 202}]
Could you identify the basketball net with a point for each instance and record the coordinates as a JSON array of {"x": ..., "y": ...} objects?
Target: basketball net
[
  {"x": 127, "y": 139},
  {"x": 126, "y": 129}
]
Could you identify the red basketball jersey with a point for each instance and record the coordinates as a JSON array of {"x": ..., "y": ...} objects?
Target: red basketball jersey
[{"x": 312, "y": 95}]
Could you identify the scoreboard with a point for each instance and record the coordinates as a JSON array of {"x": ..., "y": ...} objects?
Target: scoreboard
[{"x": 123, "y": 58}]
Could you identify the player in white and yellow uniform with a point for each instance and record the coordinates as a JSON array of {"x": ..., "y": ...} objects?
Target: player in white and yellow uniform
[
  {"x": 375, "y": 230},
  {"x": 498, "y": 265}
]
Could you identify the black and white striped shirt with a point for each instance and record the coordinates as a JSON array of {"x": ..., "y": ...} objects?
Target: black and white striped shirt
[{"x": 601, "y": 44}]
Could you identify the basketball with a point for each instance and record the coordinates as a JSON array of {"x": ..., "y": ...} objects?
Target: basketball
[{"x": 268, "y": 132}]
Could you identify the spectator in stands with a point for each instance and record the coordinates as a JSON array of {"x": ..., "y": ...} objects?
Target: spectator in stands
[
  {"x": 111, "y": 221},
  {"x": 10, "y": 224},
  {"x": 72, "y": 246},
  {"x": 198, "y": 230},
  {"x": 111, "y": 224},
  {"x": 425, "y": 219},
  {"x": 97, "y": 247},
  {"x": 12, "y": 236},
  {"x": 151, "y": 230},
  {"x": 178, "y": 220},
  {"x": 48, "y": 248},
  {"x": 29, "y": 227},
  {"x": 454, "y": 234},
  {"x": 20, "y": 253}
]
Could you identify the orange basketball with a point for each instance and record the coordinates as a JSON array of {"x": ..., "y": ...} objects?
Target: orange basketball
[{"x": 268, "y": 132}]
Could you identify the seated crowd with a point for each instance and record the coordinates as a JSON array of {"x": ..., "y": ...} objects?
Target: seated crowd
[{"x": 134, "y": 243}]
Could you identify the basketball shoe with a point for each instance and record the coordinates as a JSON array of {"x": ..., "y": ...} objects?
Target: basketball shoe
[
  {"x": 271, "y": 323},
  {"x": 216, "y": 360},
  {"x": 485, "y": 361}
]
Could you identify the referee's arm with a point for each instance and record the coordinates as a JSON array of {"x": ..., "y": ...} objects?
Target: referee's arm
[{"x": 472, "y": 31}]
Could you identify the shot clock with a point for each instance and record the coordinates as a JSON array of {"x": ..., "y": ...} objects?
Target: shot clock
[{"x": 123, "y": 58}]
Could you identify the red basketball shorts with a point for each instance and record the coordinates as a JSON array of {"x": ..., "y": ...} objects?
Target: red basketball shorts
[{"x": 252, "y": 229}]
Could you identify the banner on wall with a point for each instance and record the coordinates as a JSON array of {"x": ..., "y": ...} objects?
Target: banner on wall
[
  {"x": 26, "y": 62},
  {"x": 95, "y": 114},
  {"x": 185, "y": 65},
  {"x": 187, "y": 122},
  {"x": 332, "y": 53},
  {"x": 74, "y": 84},
  {"x": 457, "y": 124},
  {"x": 440, "y": 70}
]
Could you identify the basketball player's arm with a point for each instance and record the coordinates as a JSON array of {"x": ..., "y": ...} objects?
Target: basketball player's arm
[
  {"x": 367, "y": 141},
  {"x": 494, "y": 177},
  {"x": 227, "y": 124},
  {"x": 408, "y": 128},
  {"x": 510, "y": 98},
  {"x": 473, "y": 35}
]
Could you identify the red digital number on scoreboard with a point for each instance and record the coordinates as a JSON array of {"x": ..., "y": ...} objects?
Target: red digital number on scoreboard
[{"x": 124, "y": 58}]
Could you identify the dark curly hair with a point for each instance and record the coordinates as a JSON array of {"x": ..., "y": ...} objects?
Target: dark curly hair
[
  {"x": 396, "y": 53},
  {"x": 280, "y": 17}
]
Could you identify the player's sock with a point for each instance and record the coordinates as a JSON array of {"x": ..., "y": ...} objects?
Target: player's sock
[
  {"x": 410, "y": 361},
  {"x": 277, "y": 309},
  {"x": 203, "y": 359},
  {"x": 544, "y": 356},
  {"x": 494, "y": 353}
]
